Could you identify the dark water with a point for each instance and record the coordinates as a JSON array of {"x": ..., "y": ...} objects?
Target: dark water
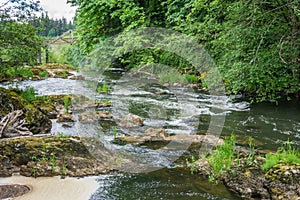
[
  {"x": 162, "y": 184},
  {"x": 178, "y": 110},
  {"x": 269, "y": 124}
]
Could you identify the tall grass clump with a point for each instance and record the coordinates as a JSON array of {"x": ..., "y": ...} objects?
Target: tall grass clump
[
  {"x": 103, "y": 88},
  {"x": 67, "y": 103},
  {"x": 222, "y": 158}
]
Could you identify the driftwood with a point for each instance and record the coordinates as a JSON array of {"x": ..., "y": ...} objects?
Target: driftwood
[{"x": 12, "y": 125}]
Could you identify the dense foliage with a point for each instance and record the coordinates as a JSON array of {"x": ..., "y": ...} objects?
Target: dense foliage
[
  {"x": 19, "y": 43},
  {"x": 254, "y": 43},
  {"x": 51, "y": 27}
]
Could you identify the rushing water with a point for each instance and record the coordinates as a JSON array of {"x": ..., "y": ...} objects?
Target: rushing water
[{"x": 178, "y": 110}]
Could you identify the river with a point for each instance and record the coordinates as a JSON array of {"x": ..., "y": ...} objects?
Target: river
[{"x": 178, "y": 110}]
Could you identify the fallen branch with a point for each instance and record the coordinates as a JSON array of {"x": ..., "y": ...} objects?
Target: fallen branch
[{"x": 12, "y": 125}]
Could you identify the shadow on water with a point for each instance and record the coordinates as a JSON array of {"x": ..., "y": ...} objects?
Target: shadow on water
[{"x": 161, "y": 184}]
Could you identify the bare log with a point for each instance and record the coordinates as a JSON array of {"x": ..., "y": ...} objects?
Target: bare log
[{"x": 12, "y": 125}]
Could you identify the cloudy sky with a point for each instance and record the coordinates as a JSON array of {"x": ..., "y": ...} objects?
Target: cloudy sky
[{"x": 58, "y": 9}]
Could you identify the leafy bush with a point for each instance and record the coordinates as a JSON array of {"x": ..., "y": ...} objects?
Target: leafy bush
[
  {"x": 191, "y": 78},
  {"x": 28, "y": 94},
  {"x": 43, "y": 74},
  {"x": 74, "y": 56},
  {"x": 23, "y": 72},
  {"x": 102, "y": 88}
]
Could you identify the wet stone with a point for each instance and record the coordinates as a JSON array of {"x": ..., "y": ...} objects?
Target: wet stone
[
  {"x": 92, "y": 117},
  {"x": 13, "y": 190},
  {"x": 66, "y": 118},
  {"x": 131, "y": 121}
]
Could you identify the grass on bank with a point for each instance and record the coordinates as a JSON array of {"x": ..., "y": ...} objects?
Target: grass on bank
[
  {"x": 224, "y": 157},
  {"x": 285, "y": 154}
]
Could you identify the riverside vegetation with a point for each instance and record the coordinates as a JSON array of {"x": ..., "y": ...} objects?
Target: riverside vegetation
[
  {"x": 252, "y": 174},
  {"x": 255, "y": 44}
]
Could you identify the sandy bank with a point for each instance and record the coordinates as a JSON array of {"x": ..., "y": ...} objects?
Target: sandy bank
[{"x": 55, "y": 188}]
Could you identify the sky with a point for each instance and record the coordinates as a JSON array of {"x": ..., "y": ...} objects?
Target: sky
[{"x": 58, "y": 8}]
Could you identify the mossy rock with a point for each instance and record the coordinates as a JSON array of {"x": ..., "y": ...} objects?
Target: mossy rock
[
  {"x": 38, "y": 70},
  {"x": 48, "y": 108},
  {"x": 20, "y": 150},
  {"x": 76, "y": 99},
  {"x": 51, "y": 156},
  {"x": 36, "y": 121},
  {"x": 286, "y": 173},
  {"x": 62, "y": 73},
  {"x": 56, "y": 66}
]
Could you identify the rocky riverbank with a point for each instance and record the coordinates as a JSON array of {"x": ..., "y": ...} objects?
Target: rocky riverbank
[
  {"x": 249, "y": 181},
  {"x": 51, "y": 156}
]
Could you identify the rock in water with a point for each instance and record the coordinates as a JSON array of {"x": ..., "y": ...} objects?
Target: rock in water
[
  {"x": 66, "y": 118},
  {"x": 92, "y": 117},
  {"x": 132, "y": 121},
  {"x": 47, "y": 108},
  {"x": 35, "y": 120}
]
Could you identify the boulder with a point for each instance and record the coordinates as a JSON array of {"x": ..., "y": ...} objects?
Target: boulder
[
  {"x": 248, "y": 183},
  {"x": 92, "y": 117},
  {"x": 77, "y": 77},
  {"x": 161, "y": 135},
  {"x": 10, "y": 191},
  {"x": 48, "y": 108},
  {"x": 53, "y": 156},
  {"x": 284, "y": 173},
  {"x": 131, "y": 121},
  {"x": 66, "y": 118},
  {"x": 36, "y": 121},
  {"x": 156, "y": 134}
]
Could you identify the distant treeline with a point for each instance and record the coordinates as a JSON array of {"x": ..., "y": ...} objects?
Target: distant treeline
[{"x": 51, "y": 27}]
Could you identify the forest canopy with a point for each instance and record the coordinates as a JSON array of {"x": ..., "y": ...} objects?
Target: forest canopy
[{"x": 48, "y": 27}]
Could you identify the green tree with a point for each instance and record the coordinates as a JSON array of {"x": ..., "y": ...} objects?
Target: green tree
[
  {"x": 255, "y": 43},
  {"x": 51, "y": 27},
  {"x": 19, "y": 43},
  {"x": 52, "y": 33}
]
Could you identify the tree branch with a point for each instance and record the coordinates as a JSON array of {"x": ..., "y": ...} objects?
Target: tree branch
[{"x": 11, "y": 125}]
